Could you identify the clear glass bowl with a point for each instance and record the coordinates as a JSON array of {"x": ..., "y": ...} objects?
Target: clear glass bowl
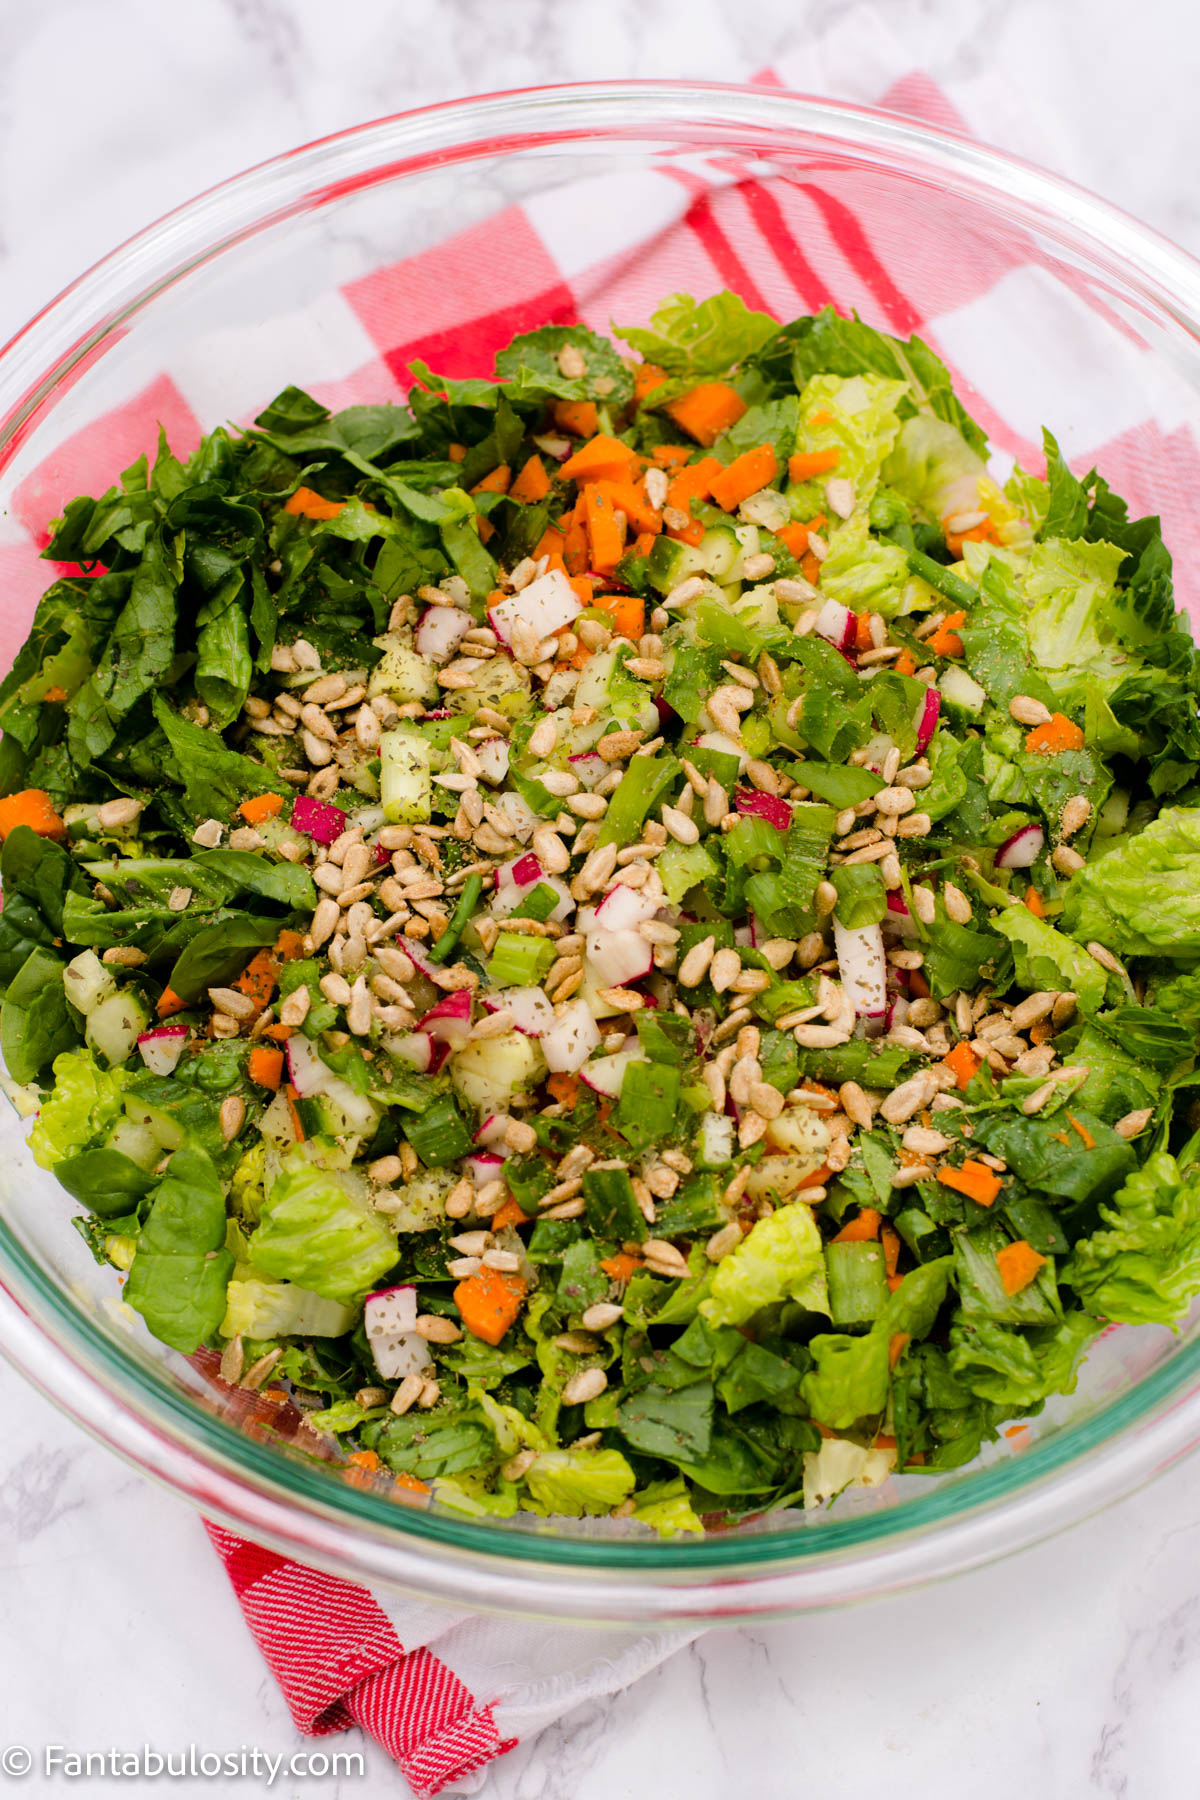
[{"x": 397, "y": 238}]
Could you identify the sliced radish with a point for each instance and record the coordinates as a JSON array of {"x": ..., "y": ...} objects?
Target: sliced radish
[
  {"x": 899, "y": 920},
  {"x": 927, "y": 724},
  {"x": 418, "y": 1049},
  {"x": 306, "y": 1072},
  {"x": 523, "y": 872},
  {"x": 162, "y": 1048},
  {"x": 590, "y": 768},
  {"x": 606, "y": 1074},
  {"x": 545, "y": 606},
  {"x": 493, "y": 759},
  {"x": 862, "y": 965},
  {"x": 484, "y": 1167},
  {"x": 416, "y": 954},
  {"x": 506, "y": 899},
  {"x": 770, "y": 807},
  {"x": 624, "y": 909},
  {"x": 837, "y": 625},
  {"x": 318, "y": 819},
  {"x": 616, "y": 958},
  {"x": 1022, "y": 849},
  {"x": 439, "y": 630},
  {"x": 390, "y": 1317},
  {"x": 491, "y": 1132},
  {"x": 449, "y": 1022},
  {"x": 532, "y": 1013},
  {"x": 572, "y": 1038}
]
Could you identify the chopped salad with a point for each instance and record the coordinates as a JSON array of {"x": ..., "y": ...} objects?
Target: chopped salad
[{"x": 626, "y": 935}]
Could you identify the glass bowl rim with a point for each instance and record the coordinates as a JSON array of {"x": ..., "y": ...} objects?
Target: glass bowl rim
[{"x": 242, "y": 1482}]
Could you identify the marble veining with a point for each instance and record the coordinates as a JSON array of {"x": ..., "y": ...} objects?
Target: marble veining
[{"x": 1071, "y": 1670}]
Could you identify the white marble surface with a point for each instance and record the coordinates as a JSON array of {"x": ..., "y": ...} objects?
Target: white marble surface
[{"x": 1072, "y": 1670}]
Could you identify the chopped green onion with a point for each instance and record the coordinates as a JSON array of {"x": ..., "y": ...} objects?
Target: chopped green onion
[
  {"x": 644, "y": 783},
  {"x": 665, "y": 1037},
  {"x": 857, "y": 1282},
  {"x": 467, "y": 902},
  {"x": 861, "y": 895},
  {"x": 519, "y": 961},
  {"x": 649, "y": 1099},
  {"x": 538, "y": 904},
  {"x": 612, "y": 1208}
]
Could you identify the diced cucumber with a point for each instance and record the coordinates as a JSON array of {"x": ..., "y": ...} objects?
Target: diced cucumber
[
  {"x": 275, "y": 833},
  {"x": 404, "y": 776},
  {"x": 87, "y": 982},
  {"x": 137, "y": 1142},
  {"x": 747, "y": 537},
  {"x": 343, "y": 1112},
  {"x": 714, "y": 1141},
  {"x": 758, "y": 607},
  {"x": 720, "y": 553},
  {"x": 671, "y": 562},
  {"x": 495, "y": 681},
  {"x": 960, "y": 690},
  {"x": 159, "y": 1123},
  {"x": 113, "y": 1027},
  {"x": 489, "y": 1073},
  {"x": 402, "y": 672}
]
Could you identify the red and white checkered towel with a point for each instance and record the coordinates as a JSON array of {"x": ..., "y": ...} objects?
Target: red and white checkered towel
[{"x": 445, "y": 1694}]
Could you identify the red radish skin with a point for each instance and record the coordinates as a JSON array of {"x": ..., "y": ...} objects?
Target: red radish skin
[
  {"x": 770, "y": 807},
  {"x": 837, "y": 625},
  {"x": 624, "y": 909},
  {"x": 449, "y": 1022},
  {"x": 1022, "y": 849},
  {"x": 931, "y": 710},
  {"x": 319, "y": 820},
  {"x": 161, "y": 1048}
]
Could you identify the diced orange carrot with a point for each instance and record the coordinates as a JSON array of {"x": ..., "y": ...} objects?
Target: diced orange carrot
[
  {"x": 962, "y": 1063},
  {"x": 365, "y": 1459},
  {"x": 818, "y": 1178},
  {"x": 265, "y": 1065},
  {"x": 670, "y": 456},
  {"x": 945, "y": 641},
  {"x": 564, "y": 1088},
  {"x": 263, "y": 806},
  {"x": 511, "y": 1213},
  {"x": 974, "y": 1179},
  {"x": 810, "y": 568},
  {"x": 794, "y": 538},
  {"x": 862, "y": 632},
  {"x": 643, "y": 543},
  {"x": 497, "y": 482},
  {"x": 603, "y": 459},
  {"x": 889, "y": 1237},
  {"x": 489, "y": 1301},
  {"x": 457, "y": 453},
  {"x": 289, "y": 945},
  {"x": 632, "y": 501},
  {"x": 1034, "y": 902},
  {"x": 861, "y": 1230},
  {"x": 821, "y": 417},
  {"x": 621, "y": 1267},
  {"x": 55, "y": 695},
  {"x": 577, "y": 554},
  {"x": 983, "y": 533},
  {"x": 744, "y": 476},
  {"x": 627, "y": 612},
  {"x": 257, "y": 980},
  {"x": 31, "y": 807},
  {"x": 549, "y": 544},
  {"x": 279, "y": 1034},
  {"x": 311, "y": 505},
  {"x": 291, "y": 1096},
  {"x": 897, "y": 1345},
  {"x": 707, "y": 411},
  {"x": 169, "y": 1002},
  {"x": 646, "y": 377},
  {"x": 905, "y": 663},
  {"x": 1057, "y": 734},
  {"x": 412, "y": 1484},
  {"x": 578, "y": 417},
  {"x": 692, "y": 482},
  {"x": 893, "y": 1282},
  {"x": 484, "y": 529},
  {"x": 806, "y": 465},
  {"x": 583, "y": 587},
  {"x": 1089, "y": 1142},
  {"x": 606, "y": 535},
  {"x": 1018, "y": 1264},
  {"x": 532, "y": 484}
]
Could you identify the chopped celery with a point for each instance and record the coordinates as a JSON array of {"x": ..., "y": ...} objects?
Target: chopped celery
[
  {"x": 857, "y": 1282},
  {"x": 644, "y": 785},
  {"x": 519, "y": 961}
]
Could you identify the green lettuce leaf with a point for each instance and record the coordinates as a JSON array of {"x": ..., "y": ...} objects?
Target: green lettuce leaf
[
  {"x": 935, "y": 468},
  {"x": 851, "y": 1376},
  {"x": 666, "y": 1507},
  {"x": 697, "y": 341},
  {"x": 1072, "y": 634},
  {"x": 1046, "y": 959},
  {"x": 863, "y": 573},
  {"x": 530, "y": 364},
  {"x": 1143, "y": 1267},
  {"x": 574, "y": 1482},
  {"x": 1143, "y": 897},
  {"x": 179, "y": 1273},
  {"x": 83, "y": 1105},
  {"x": 316, "y": 1230},
  {"x": 779, "y": 1259},
  {"x": 862, "y": 424},
  {"x": 1019, "y": 1368}
]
